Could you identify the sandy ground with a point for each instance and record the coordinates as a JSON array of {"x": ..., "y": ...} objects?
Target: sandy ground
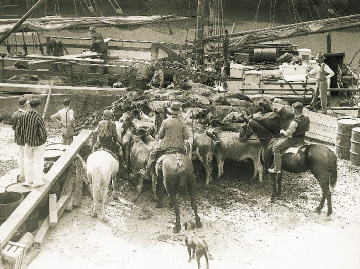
[{"x": 242, "y": 228}]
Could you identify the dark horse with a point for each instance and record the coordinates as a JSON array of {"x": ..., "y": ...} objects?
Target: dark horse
[
  {"x": 318, "y": 159},
  {"x": 175, "y": 173}
]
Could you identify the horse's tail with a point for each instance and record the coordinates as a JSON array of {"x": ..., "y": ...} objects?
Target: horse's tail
[{"x": 333, "y": 171}]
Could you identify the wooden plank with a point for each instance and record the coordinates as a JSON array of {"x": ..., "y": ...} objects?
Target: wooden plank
[
  {"x": 44, "y": 89},
  {"x": 10, "y": 226},
  {"x": 45, "y": 72},
  {"x": 53, "y": 218},
  {"x": 61, "y": 205},
  {"x": 42, "y": 233}
]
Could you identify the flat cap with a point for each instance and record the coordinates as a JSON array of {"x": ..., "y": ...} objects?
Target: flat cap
[
  {"x": 297, "y": 105},
  {"x": 22, "y": 101}
]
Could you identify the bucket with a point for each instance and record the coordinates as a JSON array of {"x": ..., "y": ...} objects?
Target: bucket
[
  {"x": 43, "y": 207},
  {"x": 342, "y": 143},
  {"x": 9, "y": 201},
  {"x": 31, "y": 222},
  {"x": 355, "y": 146}
]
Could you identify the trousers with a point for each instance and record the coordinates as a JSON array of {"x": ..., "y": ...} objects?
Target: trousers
[
  {"x": 282, "y": 144},
  {"x": 34, "y": 164},
  {"x": 321, "y": 89},
  {"x": 21, "y": 163},
  {"x": 67, "y": 134}
]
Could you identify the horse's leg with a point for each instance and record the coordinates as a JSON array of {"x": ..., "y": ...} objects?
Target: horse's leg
[
  {"x": 258, "y": 169},
  {"x": 174, "y": 201},
  {"x": 104, "y": 196},
  {"x": 95, "y": 200},
  {"x": 279, "y": 181},
  {"x": 160, "y": 190},
  {"x": 191, "y": 187},
  {"x": 326, "y": 194},
  {"x": 274, "y": 182},
  {"x": 220, "y": 164}
]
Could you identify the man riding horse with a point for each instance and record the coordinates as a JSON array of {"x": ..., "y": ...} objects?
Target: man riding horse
[
  {"x": 173, "y": 133},
  {"x": 106, "y": 135},
  {"x": 294, "y": 135}
]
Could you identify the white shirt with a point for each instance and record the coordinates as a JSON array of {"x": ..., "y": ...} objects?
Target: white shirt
[
  {"x": 327, "y": 69},
  {"x": 65, "y": 116}
]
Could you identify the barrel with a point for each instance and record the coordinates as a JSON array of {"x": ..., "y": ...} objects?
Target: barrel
[
  {"x": 342, "y": 144},
  {"x": 265, "y": 55},
  {"x": 9, "y": 201},
  {"x": 31, "y": 223},
  {"x": 355, "y": 146}
]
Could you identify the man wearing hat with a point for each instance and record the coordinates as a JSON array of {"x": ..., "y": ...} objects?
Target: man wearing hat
[
  {"x": 19, "y": 136},
  {"x": 57, "y": 48},
  {"x": 98, "y": 44},
  {"x": 323, "y": 74},
  {"x": 294, "y": 135},
  {"x": 106, "y": 135},
  {"x": 173, "y": 132},
  {"x": 65, "y": 117},
  {"x": 33, "y": 127}
]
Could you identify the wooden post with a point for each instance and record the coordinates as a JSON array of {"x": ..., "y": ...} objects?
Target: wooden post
[
  {"x": 2, "y": 70},
  {"x": 200, "y": 32},
  {"x": 226, "y": 54},
  {"x": 154, "y": 51},
  {"x": 47, "y": 45},
  {"x": 328, "y": 43},
  {"x": 53, "y": 218}
]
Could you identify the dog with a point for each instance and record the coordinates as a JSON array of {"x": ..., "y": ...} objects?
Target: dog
[{"x": 195, "y": 243}]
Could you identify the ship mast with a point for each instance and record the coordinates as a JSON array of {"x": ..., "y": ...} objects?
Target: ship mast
[{"x": 200, "y": 32}]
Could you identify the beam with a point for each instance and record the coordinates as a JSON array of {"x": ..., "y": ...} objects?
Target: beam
[
  {"x": 44, "y": 89},
  {"x": 20, "y": 214}
]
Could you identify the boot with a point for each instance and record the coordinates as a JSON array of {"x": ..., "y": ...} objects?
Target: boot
[{"x": 277, "y": 164}]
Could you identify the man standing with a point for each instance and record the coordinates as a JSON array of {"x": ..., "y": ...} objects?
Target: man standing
[
  {"x": 294, "y": 135},
  {"x": 19, "y": 136},
  {"x": 323, "y": 75},
  {"x": 98, "y": 44},
  {"x": 57, "y": 48},
  {"x": 65, "y": 117},
  {"x": 173, "y": 133},
  {"x": 33, "y": 127}
]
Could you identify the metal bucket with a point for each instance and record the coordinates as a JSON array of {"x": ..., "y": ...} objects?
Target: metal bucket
[
  {"x": 32, "y": 223},
  {"x": 355, "y": 146},
  {"x": 342, "y": 143}
]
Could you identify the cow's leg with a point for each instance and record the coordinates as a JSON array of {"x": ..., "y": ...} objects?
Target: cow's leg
[{"x": 220, "y": 163}]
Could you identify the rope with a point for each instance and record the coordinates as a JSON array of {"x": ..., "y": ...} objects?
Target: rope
[
  {"x": 256, "y": 15},
  {"x": 75, "y": 9}
]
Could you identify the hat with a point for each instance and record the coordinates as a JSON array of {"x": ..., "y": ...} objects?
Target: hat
[
  {"x": 320, "y": 56},
  {"x": 22, "y": 101},
  {"x": 66, "y": 102},
  {"x": 175, "y": 108},
  {"x": 35, "y": 102},
  {"x": 297, "y": 105},
  {"x": 107, "y": 114},
  {"x": 92, "y": 29}
]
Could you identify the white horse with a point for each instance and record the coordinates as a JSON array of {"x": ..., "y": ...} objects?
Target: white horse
[{"x": 101, "y": 168}]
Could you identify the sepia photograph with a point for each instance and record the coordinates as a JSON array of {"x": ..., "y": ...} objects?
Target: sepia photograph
[{"x": 179, "y": 134}]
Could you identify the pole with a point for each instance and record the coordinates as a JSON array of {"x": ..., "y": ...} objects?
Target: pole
[
  {"x": 328, "y": 43},
  {"x": 200, "y": 32},
  {"x": 47, "y": 101},
  {"x": 17, "y": 25}
]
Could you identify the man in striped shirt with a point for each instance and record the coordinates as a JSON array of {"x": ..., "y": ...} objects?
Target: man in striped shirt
[
  {"x": 19, "y": 136},
  {"x": 33, "y": 127}
]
